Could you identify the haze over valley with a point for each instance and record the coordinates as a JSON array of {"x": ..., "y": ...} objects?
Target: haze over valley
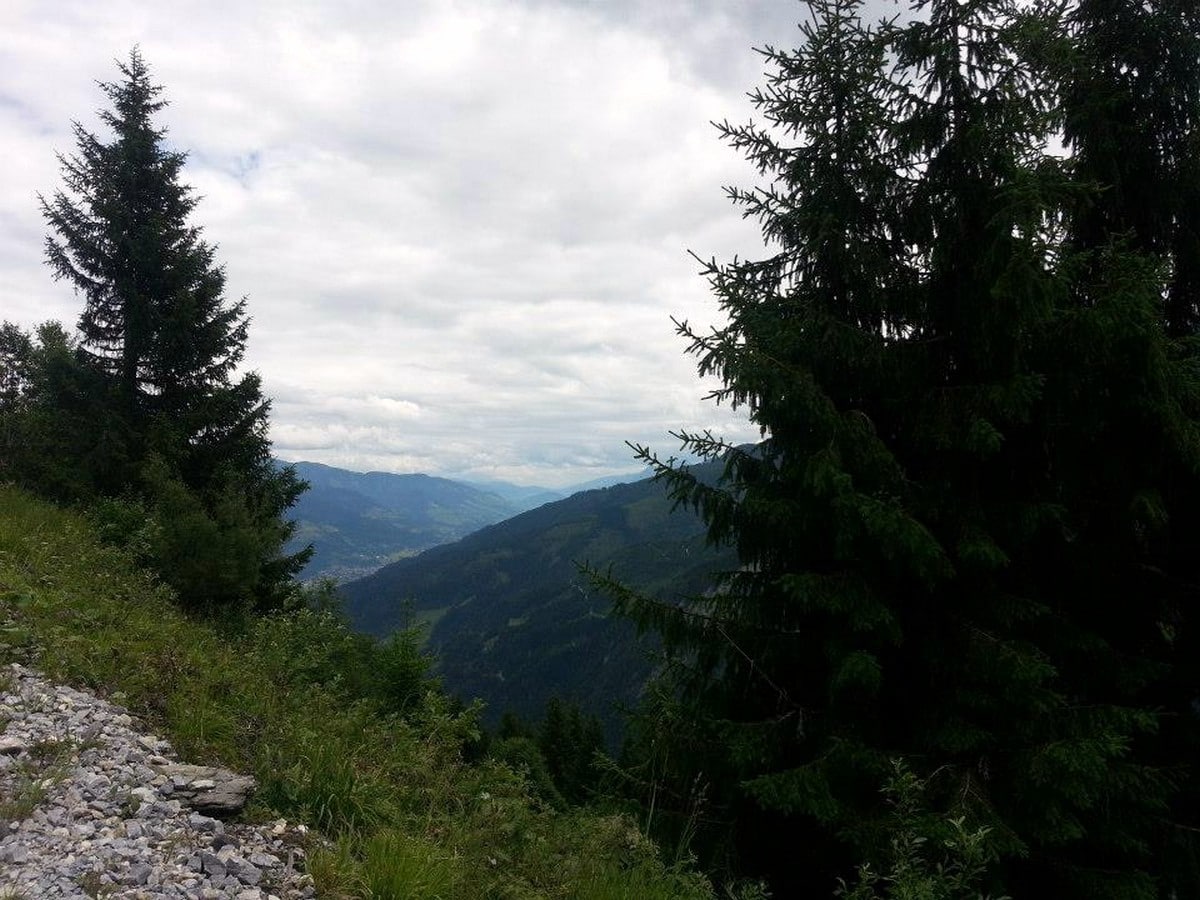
[{"x": 497, "y": 590}]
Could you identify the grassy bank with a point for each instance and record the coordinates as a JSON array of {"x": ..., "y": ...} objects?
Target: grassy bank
[{"x": 400, "y": 813}]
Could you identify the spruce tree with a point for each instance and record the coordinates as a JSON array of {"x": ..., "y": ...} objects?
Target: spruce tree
[
  {"x": 569, "y": 742},
  {"x": 1131, "y": 119},
  {"x": 953, "y": 539},
  {"x": 16, "y": 355},
  {"x": 57, "y": 432},
  {"x": 157, "y": 329}
]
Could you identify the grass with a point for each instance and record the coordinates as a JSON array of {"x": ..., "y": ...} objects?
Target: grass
[
  {"x": 92, "y": 885},
  {"x": 32, "y": 778},
  {"x": 400, "y": 811}
]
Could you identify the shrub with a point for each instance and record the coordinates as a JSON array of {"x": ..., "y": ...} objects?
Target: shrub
[{"x": 928, "y": 857}]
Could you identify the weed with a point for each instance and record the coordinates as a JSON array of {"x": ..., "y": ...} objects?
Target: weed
[
  {"x": 26, "y": 795},
  {"x": 915, "y": 866},
  {"x": 328, "y": 784},
  {"x": 92, "y": 884},
  {"x": 334, "y": 870},
  {"x": 50, "y": 751},
  {"x": 396, "y": 865},
  {"x": 130, "y": 806},
  {"x": 33, "y": 777}
]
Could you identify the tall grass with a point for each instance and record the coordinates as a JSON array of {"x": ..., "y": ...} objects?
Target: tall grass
[{"x": 382, "y": 779}]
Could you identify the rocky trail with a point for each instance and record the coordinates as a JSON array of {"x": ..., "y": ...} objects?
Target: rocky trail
[{"x": 91, "y": 807}]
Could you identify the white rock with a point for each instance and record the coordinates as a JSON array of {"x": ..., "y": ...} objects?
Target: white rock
[
  {"x": 12, "y": 746},
  {"x": 85, "y": 825}
]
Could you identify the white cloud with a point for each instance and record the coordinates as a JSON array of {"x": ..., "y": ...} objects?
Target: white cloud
[{"x": 462, "y": 226}]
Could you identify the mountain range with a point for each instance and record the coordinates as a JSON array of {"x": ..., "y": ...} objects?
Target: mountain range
[
  {"x": 360, "y": 521},
  {"x": 512, "y": 619}
]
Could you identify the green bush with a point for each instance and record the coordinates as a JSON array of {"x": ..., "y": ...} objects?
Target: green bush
[
  {"x": 210, "y": 553},
  {"x": 928, "y": 857},
  {"x": 523, "y": 756},
  {"x": 401, "y": 671}
]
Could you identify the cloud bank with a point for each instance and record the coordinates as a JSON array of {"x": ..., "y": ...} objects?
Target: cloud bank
[{"x": 462, "y": 225}]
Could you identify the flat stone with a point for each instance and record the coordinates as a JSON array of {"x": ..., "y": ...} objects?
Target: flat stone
[
  {"x": 212, "y": 863},
  {"x": 12, "y": 746},
  {"x": 209, "y": 789},
  {"x": 205, "y": 823},
  {"x": 15, "y": 854}
]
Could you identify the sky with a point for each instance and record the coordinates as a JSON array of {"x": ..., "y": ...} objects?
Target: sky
[{"x": 462, "y": 226}]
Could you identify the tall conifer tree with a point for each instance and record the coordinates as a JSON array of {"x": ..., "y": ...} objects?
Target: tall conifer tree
[
  {"x": 1131, "y": 119},
  {"x": 953, "y": 540},
  {"x": 157, "y": 326}
]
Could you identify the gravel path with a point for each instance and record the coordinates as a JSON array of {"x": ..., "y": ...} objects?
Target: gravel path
[{"x": 92, "y": 807}]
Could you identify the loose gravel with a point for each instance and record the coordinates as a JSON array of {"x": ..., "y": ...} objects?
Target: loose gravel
[{"x": 88, "y": 810}]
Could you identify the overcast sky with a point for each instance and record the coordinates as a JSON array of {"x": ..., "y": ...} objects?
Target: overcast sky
[{"x": 462, "y": 225}]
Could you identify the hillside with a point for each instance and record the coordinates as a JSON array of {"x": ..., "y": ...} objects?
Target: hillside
[
  {"x": 360, "y": 521},
  {"x": 288, "y": 700},
  {"x": 514, "y": 622},
  {"x": 526, "y": 497},
  {"x": 522, "y": 497}
]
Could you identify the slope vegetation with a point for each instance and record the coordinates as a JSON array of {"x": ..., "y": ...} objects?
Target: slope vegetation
[
  {"x": 287, "y": 698},
  {"x": 512, "y": 619}
]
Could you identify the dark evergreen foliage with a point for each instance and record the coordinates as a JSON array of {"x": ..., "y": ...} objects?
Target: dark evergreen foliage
[
  {"x": 513, "y": 621},
  {"x": 16, "y": 370},
  {"x": 59, "y": 433},
  {"x": 170, "y": 421},
  {"x": 1131, "y": 104},
  {"x": 569, "y": 742},
  {"x": 968, "y": 538},
  {"x": 561, "y": 757}
]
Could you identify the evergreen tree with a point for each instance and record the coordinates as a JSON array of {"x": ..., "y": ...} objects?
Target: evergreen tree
[
  {"x": 1131, "y": 93},
  {"x": 1131, "y": 118},
  {"x": 953, "y": 539},
  {"x": 569, "y": 742},
  {"x": 166, "y": 344},
  {"x": 16, "y": 348},
  {"x": 16, "y": 354},
  {"x": 56, "y": 433}
]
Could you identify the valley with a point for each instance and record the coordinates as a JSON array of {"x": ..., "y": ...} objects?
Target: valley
[{"x": 506, "y": 609}]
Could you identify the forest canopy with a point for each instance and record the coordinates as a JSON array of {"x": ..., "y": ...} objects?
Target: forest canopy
[{"x": 968, "y": 538}]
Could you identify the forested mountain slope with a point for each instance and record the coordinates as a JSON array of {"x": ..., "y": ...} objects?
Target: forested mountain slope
[
  {"x": 359, "y": 521},
  {"x": 513, "y": 620}
]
